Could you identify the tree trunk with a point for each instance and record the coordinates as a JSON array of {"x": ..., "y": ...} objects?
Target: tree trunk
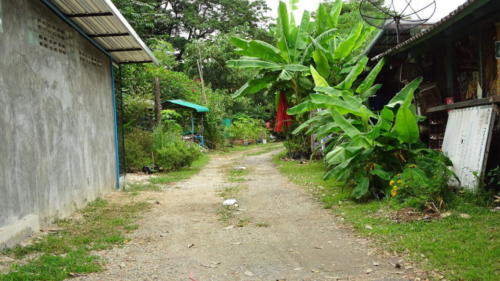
[{"x": 157, "y": 94}]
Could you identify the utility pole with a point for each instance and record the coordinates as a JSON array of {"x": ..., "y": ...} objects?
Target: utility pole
[{"x": 157, "y": 94}]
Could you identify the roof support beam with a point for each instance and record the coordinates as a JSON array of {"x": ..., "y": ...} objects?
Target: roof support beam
[
  {"x": 109, "y": 35},
  {"x": 90, "y": 15},
  {"x": 124, "y": 50}
]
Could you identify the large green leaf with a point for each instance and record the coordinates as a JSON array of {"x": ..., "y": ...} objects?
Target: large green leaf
[
  {"x": 256, "y": 64},
  {"x": 284, "y": 31},
  {"x": 321, "y": 18},
  {"x": 370, "y": 78},
  {"x": 320, "y": 39},
  {"x": 321, "y": 62},
  {"x": 408, "y": 90},
  {"x": 329, "y": 101},
  {"x": 353, "y": 75},
  {"x": 381, "y": 173},
  {"x": 296, "y": 67},
  {"x": 365, "y": 34},
  {"x": 336, "y": 156},
  {"x": 302, "y": 108},
  {"x": 238, "y": 42},
  {"x": 255, "y": 85},
  {"x": 264, "y": 51},
  {"x": 283, "y": 21},
  {"x": 344, "y": 124},
  {"x": 318, "y": 79},
  {"x": 335, "y": 13},
  {"x": 300, "y": 38},
  {"x": 285, "y": 75},
  {"x": 406, "y": 126},
  {"x": 345, "y": 47},
  {"x": 370, "y": 92},
  {"x": 361, "y": 188}
]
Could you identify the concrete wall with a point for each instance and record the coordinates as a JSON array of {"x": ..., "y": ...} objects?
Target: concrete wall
[{"x": 57, "y": 148}]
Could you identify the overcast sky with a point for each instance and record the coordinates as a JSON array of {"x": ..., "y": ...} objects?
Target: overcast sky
[{"x": 443, "y": 7}]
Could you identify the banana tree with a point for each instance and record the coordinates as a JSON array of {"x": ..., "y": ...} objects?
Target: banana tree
[
  {"x": 284, "y": 70},
  {"x": 368, "y": 147}
]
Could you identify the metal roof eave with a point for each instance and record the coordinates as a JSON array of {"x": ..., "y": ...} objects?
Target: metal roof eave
[
  {"x": 69, "y": 10},
  {"x": 459, "y": 13},
  {"x": 131, "y": 30}
]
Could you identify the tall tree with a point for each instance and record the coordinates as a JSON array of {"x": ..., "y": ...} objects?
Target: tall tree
[{"x": 180, "y": 21}]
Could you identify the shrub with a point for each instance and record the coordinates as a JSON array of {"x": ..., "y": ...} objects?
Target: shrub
[
  {"x": 138, "y": 149},
  {"x": 372, "y": 152},
  {"x": 247, "y": 128},
  {"x": 423, "y": 184},
  {"x": 171, "y": 152}
]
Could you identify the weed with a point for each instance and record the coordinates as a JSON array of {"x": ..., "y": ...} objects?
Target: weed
[
  {"x": 237, "y": 175},
  {"x": 243, "y": 222},
  {"x": 135, "y": 187},
  {"x": 231, "y": 191},
  {"x": 262, "y": 224},
  {"x": 226, "y": 215}
]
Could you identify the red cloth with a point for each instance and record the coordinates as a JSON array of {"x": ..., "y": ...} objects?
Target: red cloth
[{"x": 282, "y": 118}]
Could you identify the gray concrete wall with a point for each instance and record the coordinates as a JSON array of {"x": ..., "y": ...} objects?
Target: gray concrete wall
[{"x": 57, "y": 148}]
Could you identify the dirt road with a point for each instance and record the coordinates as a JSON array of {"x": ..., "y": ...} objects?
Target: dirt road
[{"x": 287, "y": 236}]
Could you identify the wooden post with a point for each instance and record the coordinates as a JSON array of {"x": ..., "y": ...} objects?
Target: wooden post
[
  {"x": 200, "y": 72},
  {"x": 497, "y": 80},
  {"x": 157, "y": 94}
]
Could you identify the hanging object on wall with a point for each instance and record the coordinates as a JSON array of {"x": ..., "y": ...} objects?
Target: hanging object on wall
[
  {"x": 396, "y": 14},
  {"x": 467, "y": 141}
]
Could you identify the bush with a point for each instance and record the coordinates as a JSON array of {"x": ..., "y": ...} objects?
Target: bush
[
  {"x": 247, "y": 128},
  {"x": 298, "y": 146},
  {"x": 171, "y": 152},
  {"x": 423, "y": 184},
  {"x": 138, "y": 149}
]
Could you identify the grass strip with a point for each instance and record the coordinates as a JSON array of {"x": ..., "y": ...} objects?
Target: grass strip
[
  {"x": 182, "y": 174},
  {"x": 460, "y": 248},
  {"x": 66, "y": 252}
]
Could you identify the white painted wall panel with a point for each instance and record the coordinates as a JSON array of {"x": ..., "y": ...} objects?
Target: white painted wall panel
[{"x": 467, "y": 140}]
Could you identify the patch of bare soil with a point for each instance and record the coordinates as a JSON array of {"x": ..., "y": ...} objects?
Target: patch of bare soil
[
  {"x": 287, "y": 235},
  {"x": 409, "y": 214}
]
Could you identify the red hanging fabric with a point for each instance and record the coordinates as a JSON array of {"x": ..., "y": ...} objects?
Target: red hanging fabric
[{"x": 282, "y": 118}]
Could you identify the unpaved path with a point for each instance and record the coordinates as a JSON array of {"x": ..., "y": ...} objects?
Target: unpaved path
[{"x": 182, "y": 238}]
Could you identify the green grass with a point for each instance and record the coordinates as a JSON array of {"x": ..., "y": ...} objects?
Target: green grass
[
  {"x": 236, "y": 175},
  {"x": 239, "y": 148},
  {"x": 182, "y": 174},
  {"x": 268, "y": 148},
  {"x": 65, "y": 252},
  {"x": 459, "y": 248},
  {"x": 230, "y": 192},
  {"x": 135, "y": 187}
]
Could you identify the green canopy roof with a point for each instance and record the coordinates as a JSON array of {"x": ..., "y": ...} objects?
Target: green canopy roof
[{"x": 187, "y": 104}]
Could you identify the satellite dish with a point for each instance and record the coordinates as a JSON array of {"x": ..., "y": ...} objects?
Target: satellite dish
[{"x": 397, "y": 14}]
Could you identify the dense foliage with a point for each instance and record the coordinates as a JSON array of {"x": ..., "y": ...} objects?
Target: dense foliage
[
  {"x": 162, "y": 147},
  {"x": 377, "y": 153},
  {"x": 182, "y": 21},
  {"x": 247, "y": 129}
]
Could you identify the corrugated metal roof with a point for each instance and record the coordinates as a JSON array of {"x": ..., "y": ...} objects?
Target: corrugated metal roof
[
  {"x": 457, "y": 14},
  {"x": 103, "y": 22},
  {"x": 187, "y": 104}
]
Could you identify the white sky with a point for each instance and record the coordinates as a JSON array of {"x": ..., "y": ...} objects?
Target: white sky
[{"x": 443, "y": 7}]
